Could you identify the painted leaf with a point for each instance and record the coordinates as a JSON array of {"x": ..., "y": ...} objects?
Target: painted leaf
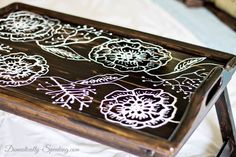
[
  {"x": 64, "y": 52},
  {"x": 102, "y": 79},
  {"x": 188, "y": 63}
]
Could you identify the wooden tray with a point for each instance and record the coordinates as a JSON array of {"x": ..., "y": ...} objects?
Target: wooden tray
[{"x": 137, "y": 92}]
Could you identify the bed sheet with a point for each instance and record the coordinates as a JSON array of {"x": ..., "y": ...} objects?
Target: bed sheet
[
  {"x": 20, "y": 137},
  {"x": 209, "y": 30}
]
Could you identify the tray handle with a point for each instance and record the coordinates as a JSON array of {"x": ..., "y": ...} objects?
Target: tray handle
[{"x": 213, "y": 85}]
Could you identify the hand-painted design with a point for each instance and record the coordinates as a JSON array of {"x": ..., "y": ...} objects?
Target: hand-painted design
[
  {"x": 65, "y": 93},
  {"x": 67, "y": 35},
  {"x": 187, "y": 63},
  {"x": 64, "y": 52},
  {"x": 22, "y": 26},
  {"x": 185, "y": 83},
  {"x": 5, "y": 48},
  {"x": 18, "y": 69},
  {"x": 139, "y": 108},
  {"x": 102, "y": 79},
  {"x": 186, "y": 77},
  {"x": 130, "y": 55}
]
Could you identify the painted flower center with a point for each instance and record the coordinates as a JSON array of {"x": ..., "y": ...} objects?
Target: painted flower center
[
  {"x": 136, "y": 109},
  {"x": 24, "y": 24},
  {"x": 130, "y": 56},
  {"x": 16, "y": 68}
]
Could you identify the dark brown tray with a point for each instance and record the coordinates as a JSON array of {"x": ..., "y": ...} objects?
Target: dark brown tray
[{"x": 134, "y": 91}]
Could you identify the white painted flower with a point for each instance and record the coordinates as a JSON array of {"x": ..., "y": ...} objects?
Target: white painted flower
[
  {"x": 130, "y": 55},
  {"x": 25, "y": 26},
  {"x": 139, "y": 108},
  {"x": 18, "y": 69}
]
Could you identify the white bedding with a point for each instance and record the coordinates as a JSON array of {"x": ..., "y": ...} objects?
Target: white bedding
[{"x": 144, "y": 15}]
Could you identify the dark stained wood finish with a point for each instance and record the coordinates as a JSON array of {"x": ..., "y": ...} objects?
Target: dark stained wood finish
[
  {"x": 225, "y": 150},
  {"x": 226, "y": 122},
  {"x": 144, "y": 143},
  {"x": 194, "y": 3}
]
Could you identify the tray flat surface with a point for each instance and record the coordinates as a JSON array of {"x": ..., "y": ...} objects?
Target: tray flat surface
[{"x": 123, "y": 81}]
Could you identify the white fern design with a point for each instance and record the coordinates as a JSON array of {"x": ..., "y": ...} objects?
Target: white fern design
[{"x": 66, "y": 93}]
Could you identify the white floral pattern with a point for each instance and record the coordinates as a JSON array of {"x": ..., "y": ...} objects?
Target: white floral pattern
[
  {"x": 139, "y": 108},
  {"x": 130, "y": 55},
  {"x": 18, "y": 69},
  {"x": 22, "y": 26}
]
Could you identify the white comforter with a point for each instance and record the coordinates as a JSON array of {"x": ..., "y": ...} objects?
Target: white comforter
[{"x": 38, "y": 140}]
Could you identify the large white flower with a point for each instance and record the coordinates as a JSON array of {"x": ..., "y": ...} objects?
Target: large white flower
[
  {"x": 139, "y": 108},
  {"x": 130, "y": 55},
  {"x": 24, "y": 26},
  {"x": 18, "y": 69}
]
